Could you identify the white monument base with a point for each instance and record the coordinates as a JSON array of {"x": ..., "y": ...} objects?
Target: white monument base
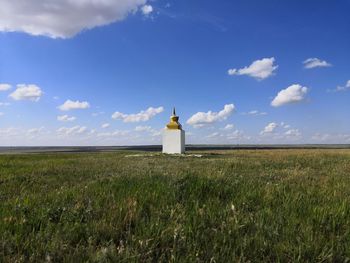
[{"x": 173, "y": 141}]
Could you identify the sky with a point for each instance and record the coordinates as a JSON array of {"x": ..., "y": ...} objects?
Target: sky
[{"x": 109, "y": 72}]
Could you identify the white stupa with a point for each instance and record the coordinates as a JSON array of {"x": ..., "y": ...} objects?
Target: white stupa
[{"x": 174, "y": 136}]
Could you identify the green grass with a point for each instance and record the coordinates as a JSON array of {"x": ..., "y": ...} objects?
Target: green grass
[{"x": 279, "y": 205}]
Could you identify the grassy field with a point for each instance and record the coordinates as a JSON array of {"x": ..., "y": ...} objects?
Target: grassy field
[{"x": 244, "y": 205}]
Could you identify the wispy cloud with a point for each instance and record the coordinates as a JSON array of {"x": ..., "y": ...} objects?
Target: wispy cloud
[
  {"x": 105, "y": 125},
  {"x": 341, "y": 88},
  {"x": 66, "y": 118},
  {"x": 5, "y": 87},
  {"x": 254, "y": 113},
  {"x": 315, "y": 63},
  {"x": 72, "y": 130}
]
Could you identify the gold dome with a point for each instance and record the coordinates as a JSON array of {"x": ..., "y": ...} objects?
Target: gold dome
[{"x": 174, "y": 122}]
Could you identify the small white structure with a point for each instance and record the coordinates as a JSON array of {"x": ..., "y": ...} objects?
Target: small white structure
[
  {"x": 173, "y": 141},
  {"x": 174, "y": 136}
]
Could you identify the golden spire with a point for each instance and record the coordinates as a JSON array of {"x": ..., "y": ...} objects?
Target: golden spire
[{"x": 174, "y": 122}]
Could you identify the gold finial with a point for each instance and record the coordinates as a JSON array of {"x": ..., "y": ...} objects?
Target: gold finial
[{"x": 174, "y": 122}]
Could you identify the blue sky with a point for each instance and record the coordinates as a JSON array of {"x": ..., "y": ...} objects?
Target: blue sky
[{"x": 109, "y": 72}]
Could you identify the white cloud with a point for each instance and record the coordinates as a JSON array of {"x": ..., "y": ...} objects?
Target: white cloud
[
  {"x": 65, "y": 118},
  {"x": 105, "y": 125},
  {"x": 1, "y": 114},
  {"x": 273, "y": 127},
  {"x": 254, "y": 113},
  {"x": 21, "y": 137},
  {"x": 72, "y": 131},
  {"x": 238, "y": 135},
  {"x": 73, "y": 105},
  {"x": 4, "y": 87},
  {"x": 143, "y": 128},
  {"x": 227, "y": 137},
  {"x": 12, "y": 136},
  {"x": 138, "y": 117},
  {"x": 152, "y": 132},
  {"x": 315, "y": 62},
  {"x": 35, "y": 130},
  {"x": 77, "y": 136},
  {"x": 293, "y": 94},
  {"x": 341, "y": 88},
  {"x": 63, "y": 18},
  {"x": 116, "y": 133},
  {"x": 203, "y": 118},
  {"x": 155, "y": 133},
  {"x": 284, "y": 125},
  {"x": 320, "y": 137},
  {"x": 27, "y": 92},
  {"x": 147, "y": 9},
  {"x": 228, "y": 127},
  {"x": 293, "y": 133},
  {"x": 331, "y": 138},
  {"x": 269, "y": 128},
  {"x": 4, "y": 104},
  {"x": 259, "y": 69},
  {"x": 95, "y": 114},
  {"x": 9, "y": 132},
  {"x": 279, "y": 133},
  {"x": 215, "y": 135}
]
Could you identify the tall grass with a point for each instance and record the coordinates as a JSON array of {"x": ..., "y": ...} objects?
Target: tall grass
[{"x": 280, "y": 205}]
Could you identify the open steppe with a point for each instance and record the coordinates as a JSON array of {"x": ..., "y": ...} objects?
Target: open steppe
[{"x": 243, "y": 205}]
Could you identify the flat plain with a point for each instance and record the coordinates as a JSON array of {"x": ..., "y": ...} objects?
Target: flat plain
[{"x": 290, "y": 205}]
